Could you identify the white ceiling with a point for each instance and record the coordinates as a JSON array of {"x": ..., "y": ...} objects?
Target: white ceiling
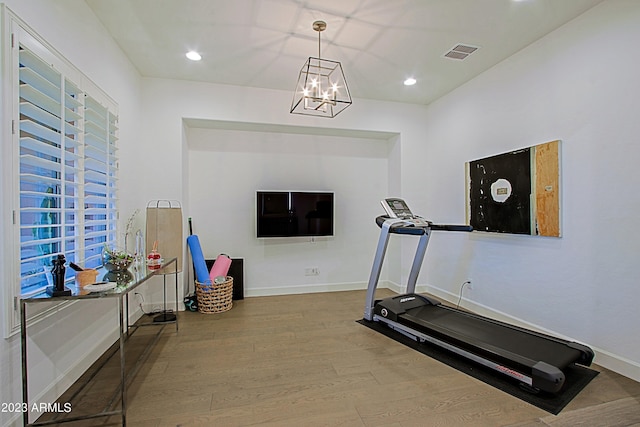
[{"x": 264, "y": 43}]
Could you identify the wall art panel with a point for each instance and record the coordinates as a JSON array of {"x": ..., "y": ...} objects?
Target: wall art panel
[{"x": 516, "y": 192}]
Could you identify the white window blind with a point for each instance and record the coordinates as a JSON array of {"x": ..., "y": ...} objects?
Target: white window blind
[
  {"x": 67, "y": 166},
  {"x": 100, "y": 166}
]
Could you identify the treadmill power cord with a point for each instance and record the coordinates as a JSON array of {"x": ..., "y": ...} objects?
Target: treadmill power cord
[{"x": 468, "y": 282}]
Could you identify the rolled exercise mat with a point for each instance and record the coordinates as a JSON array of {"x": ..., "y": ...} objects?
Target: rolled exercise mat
[
  {"x": 220, "y": 267},
  {"x": 202, "y": 275}
]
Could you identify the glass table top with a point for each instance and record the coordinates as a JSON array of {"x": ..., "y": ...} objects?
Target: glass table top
[{"x": 110, "y": 283}]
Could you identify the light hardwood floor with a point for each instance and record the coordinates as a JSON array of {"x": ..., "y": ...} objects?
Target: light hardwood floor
[{"x": 302, "y": 360}]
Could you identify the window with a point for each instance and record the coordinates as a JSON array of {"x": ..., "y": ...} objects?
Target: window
[{"x": 64, "y": 134}]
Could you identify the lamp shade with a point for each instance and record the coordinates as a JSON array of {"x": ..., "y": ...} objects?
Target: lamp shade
[{"x": 321, "y": 89}]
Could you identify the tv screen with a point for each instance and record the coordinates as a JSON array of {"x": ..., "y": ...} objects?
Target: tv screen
[{"x": 294, "y": 213}]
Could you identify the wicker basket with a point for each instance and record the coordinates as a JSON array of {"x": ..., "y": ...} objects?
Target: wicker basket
[{"x": 215, "y": 298}]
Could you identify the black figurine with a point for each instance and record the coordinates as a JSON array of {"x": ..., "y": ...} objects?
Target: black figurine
[{"x": 58, "y": 271}]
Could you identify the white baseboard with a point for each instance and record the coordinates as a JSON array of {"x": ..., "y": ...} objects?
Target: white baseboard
[
  {"x": 305, "y": 289},
  {"x": 395, "y": 287},
  {"x": 615, "y": 363}
]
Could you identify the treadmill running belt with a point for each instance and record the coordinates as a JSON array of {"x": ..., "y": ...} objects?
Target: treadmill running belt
[{"x": 489, "y": 335}]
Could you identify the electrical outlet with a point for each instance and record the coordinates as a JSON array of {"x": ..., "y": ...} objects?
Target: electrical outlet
[{"x": 311, "y": 271}]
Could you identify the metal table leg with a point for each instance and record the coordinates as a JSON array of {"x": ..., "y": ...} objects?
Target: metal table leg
[
  {"x": 123, "y": 385},
  {"x": 23, "y": 347}
]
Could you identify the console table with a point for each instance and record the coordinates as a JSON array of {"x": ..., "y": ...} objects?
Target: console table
[{"x": 121, "y": 294}]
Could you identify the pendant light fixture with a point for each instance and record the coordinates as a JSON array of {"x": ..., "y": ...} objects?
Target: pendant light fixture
[{"x": 322, "y": 89}]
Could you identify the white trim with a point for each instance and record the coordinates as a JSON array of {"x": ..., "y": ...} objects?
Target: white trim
[
  {"x": 306, "y": 289},
  {"x": 615, "y": 363},
  {"x": 15, "y": 32},
  {"x": 316, "y": 288},
  {"x": 7, "y": 212}
]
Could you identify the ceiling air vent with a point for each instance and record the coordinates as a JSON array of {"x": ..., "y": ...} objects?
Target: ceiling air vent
[{"x": 460, "y": 51}]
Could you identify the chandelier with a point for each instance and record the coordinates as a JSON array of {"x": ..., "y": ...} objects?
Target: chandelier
[{"x": 322, "y": 89}]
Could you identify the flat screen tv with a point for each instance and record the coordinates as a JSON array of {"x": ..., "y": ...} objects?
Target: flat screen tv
[{"x": 294, "y": 214}]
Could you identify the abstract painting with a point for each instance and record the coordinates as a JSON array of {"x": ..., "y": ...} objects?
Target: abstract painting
[{"x": 517, "y": 192}]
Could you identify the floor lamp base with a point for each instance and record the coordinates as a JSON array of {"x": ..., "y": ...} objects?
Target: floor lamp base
[{"x": 165, "y": 317}]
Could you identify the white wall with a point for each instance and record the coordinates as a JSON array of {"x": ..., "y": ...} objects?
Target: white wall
[
  {"x": 226, "y": 168},
  {"x": 579, "y": 85},
  {"x": 85, "y": 329}
]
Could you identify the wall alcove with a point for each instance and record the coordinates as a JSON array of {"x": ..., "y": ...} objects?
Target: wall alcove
[{"x": 228, "y": 162}]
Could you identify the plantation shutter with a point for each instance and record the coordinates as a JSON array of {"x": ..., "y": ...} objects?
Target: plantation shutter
[
  {"x": 67, "y": 169},
  {"x": 100, "y": 213}
]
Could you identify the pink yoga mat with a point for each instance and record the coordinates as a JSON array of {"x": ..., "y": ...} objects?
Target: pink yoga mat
[{"x": 220, "y": 267}]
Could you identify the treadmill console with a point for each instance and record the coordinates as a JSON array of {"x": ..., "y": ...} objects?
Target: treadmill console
[{"x": 398, "y": 208}]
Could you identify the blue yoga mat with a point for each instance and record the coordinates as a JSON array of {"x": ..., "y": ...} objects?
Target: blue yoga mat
[{"x": 202, "y": 274}]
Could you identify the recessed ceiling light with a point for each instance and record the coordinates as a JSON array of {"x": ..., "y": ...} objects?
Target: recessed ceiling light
[
  {"x": 410, "y": 81},
  {"x": 193, "y": 55}
]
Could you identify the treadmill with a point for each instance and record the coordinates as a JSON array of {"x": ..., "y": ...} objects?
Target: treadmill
[{"x": 534, "y": 359}]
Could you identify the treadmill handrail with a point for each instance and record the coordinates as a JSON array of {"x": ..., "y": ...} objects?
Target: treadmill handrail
[
  {"x": 451, "y": 227},
  {"x": 401, "y": 226}
]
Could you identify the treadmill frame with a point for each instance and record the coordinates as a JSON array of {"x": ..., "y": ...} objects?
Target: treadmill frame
[
  {"x": 544, "y": 376},
  {"x": 383, "y": 242},
  {"x": 411, "y": 333}
]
